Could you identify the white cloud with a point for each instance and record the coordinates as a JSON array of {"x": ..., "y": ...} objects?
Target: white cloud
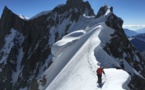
[{"x": 134, "y": 27}]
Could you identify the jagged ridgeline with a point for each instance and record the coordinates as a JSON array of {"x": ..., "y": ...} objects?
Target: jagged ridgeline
[{"x": 25, "y": 44}]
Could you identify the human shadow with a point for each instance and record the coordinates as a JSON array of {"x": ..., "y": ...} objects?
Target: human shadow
[{"x": 100, "y": 85}]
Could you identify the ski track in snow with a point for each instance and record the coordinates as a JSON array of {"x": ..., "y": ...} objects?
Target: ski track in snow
[
  {"x": 74, "y": 61},
  {"x": 69, "y": 53}
]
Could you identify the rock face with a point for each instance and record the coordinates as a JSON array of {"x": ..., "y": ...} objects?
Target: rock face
[{"x": 25, "y": 44}]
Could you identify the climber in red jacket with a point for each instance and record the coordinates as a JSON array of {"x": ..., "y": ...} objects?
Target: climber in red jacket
[{"x": 99, "y": 72}]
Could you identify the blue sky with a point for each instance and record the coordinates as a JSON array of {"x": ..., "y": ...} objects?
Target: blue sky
[{"x": 131, "y": 11}]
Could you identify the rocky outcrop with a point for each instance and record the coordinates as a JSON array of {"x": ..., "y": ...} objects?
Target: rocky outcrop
[
  {"x": 9, "y": 20},
  {"x": 82, "y": 6}
]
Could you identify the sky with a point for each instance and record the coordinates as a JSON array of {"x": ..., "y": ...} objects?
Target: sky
[{"x": 131, "y": 11}]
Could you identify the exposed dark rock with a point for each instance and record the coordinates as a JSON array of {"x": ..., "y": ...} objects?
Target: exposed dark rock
[
  {"x": 80, "y": 5},
  {"x": 34, "y": 85}
]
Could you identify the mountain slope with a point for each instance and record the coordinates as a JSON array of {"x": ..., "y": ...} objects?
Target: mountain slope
[
  {"x": 30, "y": 60},
  {"x": 79, "y": 72}
]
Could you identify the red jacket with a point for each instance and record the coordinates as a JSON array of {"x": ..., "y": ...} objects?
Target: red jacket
[{"x": 100, "y": 71}]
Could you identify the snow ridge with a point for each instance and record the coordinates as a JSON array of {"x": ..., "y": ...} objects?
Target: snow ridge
[{"x": 78, "y": 55}]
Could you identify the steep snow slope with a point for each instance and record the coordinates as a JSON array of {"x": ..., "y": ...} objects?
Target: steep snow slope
[
  {"x": 15, "y": 36},
  {"x": 79, "y": 72},
  {"x": 78, "y": 55}
]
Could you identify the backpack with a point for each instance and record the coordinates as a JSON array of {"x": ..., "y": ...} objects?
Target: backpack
[{"x": 99, "y": 71}]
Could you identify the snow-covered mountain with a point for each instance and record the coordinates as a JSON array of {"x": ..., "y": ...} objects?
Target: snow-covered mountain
[
  {"x": 138, "y": 41},
  {"x": 41, "y": 13},
  {"x": 61, "y": 50},
  {"x": 142, "y": 30},
  {"x": 23, "y": 17},
  {"x": 130, "y": 33},
  {"x": 136, "y": 38}
]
